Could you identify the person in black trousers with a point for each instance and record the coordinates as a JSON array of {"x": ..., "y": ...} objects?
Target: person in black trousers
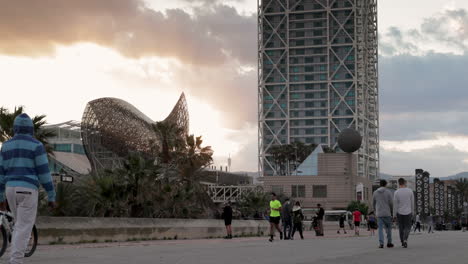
[
  {"x": 227, "y": 216},
  {"x": 320, "y": 214},
  {"x": 298, "y": 216}
]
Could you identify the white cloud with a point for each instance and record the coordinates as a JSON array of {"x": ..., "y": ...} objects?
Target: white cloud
[{"x": 458, "y": 142}]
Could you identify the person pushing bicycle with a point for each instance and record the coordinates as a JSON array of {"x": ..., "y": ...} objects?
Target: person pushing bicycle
[{"x": 23, "y": 168}]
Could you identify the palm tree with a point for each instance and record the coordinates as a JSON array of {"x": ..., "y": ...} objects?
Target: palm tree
[
  {"x": 462, "y": 187},
  {"x": 7, "y": 119},
  {"x": 171, "y": 138}
]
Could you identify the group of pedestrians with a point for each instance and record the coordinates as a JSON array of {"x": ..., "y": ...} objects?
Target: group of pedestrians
[
  {"x": 291, "y": 218},
  {"x": 397, "y": 207}
]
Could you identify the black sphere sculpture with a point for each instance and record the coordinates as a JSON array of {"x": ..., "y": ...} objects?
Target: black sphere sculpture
[{"x": 349, "y": 140}]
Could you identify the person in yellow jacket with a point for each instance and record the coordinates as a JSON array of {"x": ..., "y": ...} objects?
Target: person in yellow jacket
[{"x": 275, "y": 216}]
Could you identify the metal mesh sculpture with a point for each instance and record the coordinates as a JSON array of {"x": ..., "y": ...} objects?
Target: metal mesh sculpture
[{"x": 112, "y": 128}]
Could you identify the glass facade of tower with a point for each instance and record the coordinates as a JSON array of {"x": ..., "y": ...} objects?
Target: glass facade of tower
[{"x": 318, "y": 75}]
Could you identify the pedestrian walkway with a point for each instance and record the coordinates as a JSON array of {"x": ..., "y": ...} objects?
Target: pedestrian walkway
[{"x": 423, "y": 248}]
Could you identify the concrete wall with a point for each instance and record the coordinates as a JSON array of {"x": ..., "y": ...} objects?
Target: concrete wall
[
  {"x": 338, "y": 171},
  {"x": 84, "y": 229}
]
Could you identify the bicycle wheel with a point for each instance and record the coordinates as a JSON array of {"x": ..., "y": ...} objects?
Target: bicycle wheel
[
  {"x": 32, "y": 244},
  {"x": 3, "y": 240}
]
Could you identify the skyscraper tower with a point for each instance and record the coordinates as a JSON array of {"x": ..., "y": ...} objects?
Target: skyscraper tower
[{"x": 317, "y": 76}]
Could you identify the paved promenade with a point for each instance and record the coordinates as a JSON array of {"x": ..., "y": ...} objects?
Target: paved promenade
[{"x": 439, "y": 248}]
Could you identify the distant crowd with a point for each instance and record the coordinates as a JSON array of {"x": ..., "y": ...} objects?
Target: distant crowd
[{"x": 389, "y": 209}]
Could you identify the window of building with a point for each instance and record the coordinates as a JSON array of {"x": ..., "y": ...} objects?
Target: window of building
[
  {"x": 298, "y": 191},
  {"x": 277, "y": 189},
  {"x": 295, "y": 78},
  {"x": 78, "y": 149},
  {"x": 309, "y": 60},
  {"x": 300, "y": 51},
  {"x": 300, "y": 34},
  {"x": 299, "y": 25},
  {"x": 319, "y": 191},
  {"x": 295, "y": 96},
  {"x": 299, "y": 42},
  {"x": 309, "y": 69},
  {"x": 323, "y": 77},
  {"x": 63, "y": 147},
  {"x": 309, "y": 77}
]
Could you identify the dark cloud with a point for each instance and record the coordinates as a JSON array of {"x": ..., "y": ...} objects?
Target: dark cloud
[
  {"x": 34, "y": 28},
  {"x": 434, "y": 82},
  {"x": 422, "y": 95}
]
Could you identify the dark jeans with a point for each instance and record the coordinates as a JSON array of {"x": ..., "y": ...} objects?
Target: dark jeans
[
  {"x": 404, "y": 226},
  {"x": 298, "y": 227},
  {"x": 320, "y": 226},
  {"x": 287, "y": 228}
]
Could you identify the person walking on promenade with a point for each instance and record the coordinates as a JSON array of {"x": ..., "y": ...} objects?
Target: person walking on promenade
[
  {"x": 227, "y": 216},
  {"x": 418, "y": 223},
  {"x": 342, "y": 224},
  {"x": 286, "y": 217},
  {"x": 275, "y": 216},
  {"x": 372, "y": 223},
  {"x": 357, "y": 221},
  {"x": 298, "y": 217},
  {"x": 403, "y": 208},
  {"x": 430, "y": 223},
  {"x": 320, "y": 215},
  {"x": 383, "y": 204},
  {"x": 23, "y": 168}
]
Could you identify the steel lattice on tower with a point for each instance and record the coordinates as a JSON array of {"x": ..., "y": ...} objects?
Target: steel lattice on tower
[
  {"x": 112, "y": 128},
  {"x": 317, "y": 75},
  {"x": 422, "y": 192},
  {"x": 439, "y": 197}
]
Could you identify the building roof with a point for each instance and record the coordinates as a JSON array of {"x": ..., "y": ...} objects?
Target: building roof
[
  {"x": 310, "y": 165},
  {"x": 74, "y": 161}
]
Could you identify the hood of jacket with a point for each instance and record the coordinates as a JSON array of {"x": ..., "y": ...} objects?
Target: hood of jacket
[{"x": 23, "y": 125}]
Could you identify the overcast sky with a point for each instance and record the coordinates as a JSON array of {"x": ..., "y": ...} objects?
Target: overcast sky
[{"x": 57, "y": 55}]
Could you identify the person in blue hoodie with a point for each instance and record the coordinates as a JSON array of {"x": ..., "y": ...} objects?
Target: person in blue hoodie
[{"x": 23, "y": 168}]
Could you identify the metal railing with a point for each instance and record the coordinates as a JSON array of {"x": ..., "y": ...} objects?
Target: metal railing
[{"x": 233, "y": 193}]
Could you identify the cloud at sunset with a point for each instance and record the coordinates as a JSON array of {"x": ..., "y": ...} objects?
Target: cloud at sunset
[{"x": 210, "y": 36}]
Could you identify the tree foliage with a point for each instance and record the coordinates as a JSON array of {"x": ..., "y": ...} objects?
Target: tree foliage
[
  {"x": 357, "y": 205},
  {"x": 7, "y": 119},
  {"x": 165, "y": 185},
  {"x": 287, "y": 157},
  {"x": 254, "y": 203}
]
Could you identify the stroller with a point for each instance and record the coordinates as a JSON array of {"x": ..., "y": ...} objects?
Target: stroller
[{"x": 315, "y": 225}]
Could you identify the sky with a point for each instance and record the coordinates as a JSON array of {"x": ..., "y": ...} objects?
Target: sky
[{"x": 55, "y": 56}]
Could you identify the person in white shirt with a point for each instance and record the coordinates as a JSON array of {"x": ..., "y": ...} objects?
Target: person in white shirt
[{"x": 403, "y": 209}]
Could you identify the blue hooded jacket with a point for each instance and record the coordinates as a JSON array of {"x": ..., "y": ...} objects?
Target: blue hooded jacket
[{"x": 23, "y": 160}]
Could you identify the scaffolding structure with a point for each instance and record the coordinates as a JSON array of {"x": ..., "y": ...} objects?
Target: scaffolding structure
[{"x": 317, "y": 75}]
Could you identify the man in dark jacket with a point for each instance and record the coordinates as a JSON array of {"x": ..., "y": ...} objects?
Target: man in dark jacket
[
  {"x": 320, "y": 215},
  {"x": 383, "y": 204},
  {"x": 287, "y": 219},
  {"x": 227, "y": 216}
]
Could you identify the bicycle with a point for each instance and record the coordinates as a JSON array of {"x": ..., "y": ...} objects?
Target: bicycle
[{"x": 6, "y": 231}]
